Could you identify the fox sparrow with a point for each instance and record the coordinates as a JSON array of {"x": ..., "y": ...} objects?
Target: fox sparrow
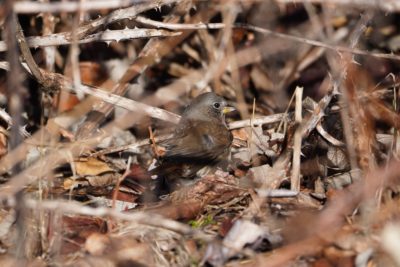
[{"x": 200, "y": 139}]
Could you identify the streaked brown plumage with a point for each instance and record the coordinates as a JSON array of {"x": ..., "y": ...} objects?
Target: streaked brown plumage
[{"x": 200, "y": 139}]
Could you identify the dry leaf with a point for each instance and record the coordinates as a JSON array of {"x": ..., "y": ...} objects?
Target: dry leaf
[{"x": 91, "y": 166}]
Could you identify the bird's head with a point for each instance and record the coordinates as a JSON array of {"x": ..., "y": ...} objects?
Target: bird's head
[{"x": 207, "y": 106}]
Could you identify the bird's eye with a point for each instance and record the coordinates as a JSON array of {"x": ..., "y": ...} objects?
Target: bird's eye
[{"x": 216, "y": 105}]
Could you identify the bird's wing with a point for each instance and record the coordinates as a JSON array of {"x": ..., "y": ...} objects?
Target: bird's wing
[{"x": 195, "y": 140}]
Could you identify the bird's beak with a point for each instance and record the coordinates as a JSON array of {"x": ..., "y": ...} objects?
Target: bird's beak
[{"x": 228, "y": 109}]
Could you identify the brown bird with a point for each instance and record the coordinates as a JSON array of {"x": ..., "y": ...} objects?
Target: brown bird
[{"x": 200, "y": 139}]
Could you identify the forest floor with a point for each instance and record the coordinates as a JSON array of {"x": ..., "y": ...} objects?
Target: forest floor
[{"x": 89, "y": 89}]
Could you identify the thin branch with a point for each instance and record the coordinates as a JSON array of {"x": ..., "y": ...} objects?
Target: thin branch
[
  {"x": 198, "y": 26},
  {"x": 29, "y": 7},
  {"x": 180, "y": 26},
  {"x": 270, "y": 119},
  {"x": 146, "y": 218},
  {"x": 107, "y": 36},
  {"x": 7, "y": 118},
  {"x": 120, "y": 180},
  {"x": 328, "y": 137},
  {"x": 295, "y": 178},
  {"x": 26, "y": 53},
  {"x": 387, "y": 5},
  {"x": 64, "y": 83},
  {"x": 115, "y": 16},
  {"x": 351, "y": 50}
]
